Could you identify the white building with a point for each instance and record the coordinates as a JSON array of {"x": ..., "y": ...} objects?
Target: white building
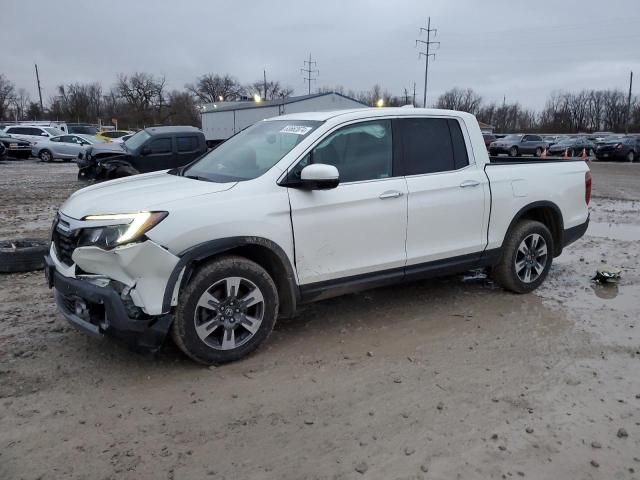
[{"x": 223, "y": 119}]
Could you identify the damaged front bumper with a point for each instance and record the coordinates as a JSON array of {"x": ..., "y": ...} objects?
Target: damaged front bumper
[
  {"x": 115, "y": 292},
  {"x": 99, "y": 311}
]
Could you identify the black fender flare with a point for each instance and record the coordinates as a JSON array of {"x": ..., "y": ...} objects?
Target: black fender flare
[
  {"x": 559, "y": 238},
  {"x": 212, "y": 248}
]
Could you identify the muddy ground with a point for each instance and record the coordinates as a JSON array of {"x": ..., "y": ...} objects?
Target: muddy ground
[{"x": 439, "y": 379}]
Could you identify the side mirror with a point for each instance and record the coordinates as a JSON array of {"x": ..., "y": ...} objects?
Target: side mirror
[
  {"x": 319, "y": 176},
  {"x": 44, "y": 134},
  {"x": 146, "y": 150}
]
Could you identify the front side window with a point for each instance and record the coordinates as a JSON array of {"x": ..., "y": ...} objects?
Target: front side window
[
  {"x": 362, "y": 151},
  {"x": 252, "y": 152},
  {"x": 431, "y": 145}
]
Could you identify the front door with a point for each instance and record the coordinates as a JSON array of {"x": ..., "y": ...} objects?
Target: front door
[
  {"x": 360, "y": 226},
  {"x": 448, "y": 197}
]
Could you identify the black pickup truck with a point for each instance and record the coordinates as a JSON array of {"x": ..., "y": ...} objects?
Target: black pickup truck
[{"x": 149, "y": 150}]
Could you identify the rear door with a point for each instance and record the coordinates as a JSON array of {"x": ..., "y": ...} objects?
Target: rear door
[
  {"x": 360, "y": 226},
  {"x": 448, "y": 193},
  {"x": 187, "y": 149}
]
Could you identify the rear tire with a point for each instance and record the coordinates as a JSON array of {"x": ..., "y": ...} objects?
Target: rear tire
[
  {"x": 538, "y": 152},
  {"x": 631, "y": 156},
  {"x": 527, "y": 254},
  {"x": 226, "y": 311}
]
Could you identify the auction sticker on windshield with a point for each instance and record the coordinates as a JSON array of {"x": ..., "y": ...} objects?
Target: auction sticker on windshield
[{"x": 296, "y": 129}]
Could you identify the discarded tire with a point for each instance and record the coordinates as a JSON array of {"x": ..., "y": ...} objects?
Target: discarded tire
[{"x": 23, "y": 255}]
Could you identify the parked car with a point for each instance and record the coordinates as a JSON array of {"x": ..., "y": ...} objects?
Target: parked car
[
  {"x": 151, "y": 149},
  {"x": 32, "y": 133},
  {"x": 573, "y": 146},
  {"x": 63, "y": 147},
  {"x": 551, "y": 140},
  {"x": 123, "y": 139},
  {"x": 300, "y": 208},
  {"x": 16, "y": 147},
  {"x": 3, "y": 152},
  {"x": 621, "y": 147},
  {"x": 109, "y": 135},
  {"x": 488, "y": 139},
  {"x": 520, "y": 144}
]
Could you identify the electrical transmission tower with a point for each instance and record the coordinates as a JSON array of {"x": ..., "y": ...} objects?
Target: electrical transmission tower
[
  {"x": 309, "y": 71},
  {"x": 427, "y": 54}
]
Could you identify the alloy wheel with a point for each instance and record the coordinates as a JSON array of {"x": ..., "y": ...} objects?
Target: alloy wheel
[
  {"x": 531, "y": 258},
  {"x": 229, "y": 313}
]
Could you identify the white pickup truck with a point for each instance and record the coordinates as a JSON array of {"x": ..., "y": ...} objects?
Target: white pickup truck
[{"x": 299, "y": 208}]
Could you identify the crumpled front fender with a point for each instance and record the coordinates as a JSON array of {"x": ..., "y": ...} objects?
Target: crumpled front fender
[{"x": 144, "y": 266}]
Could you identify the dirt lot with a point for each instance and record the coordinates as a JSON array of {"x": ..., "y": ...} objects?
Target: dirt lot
[{"x": 440, "y": 379}]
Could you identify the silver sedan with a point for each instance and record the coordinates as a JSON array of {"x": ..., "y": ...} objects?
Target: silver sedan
[{"x": 63, "y": 147}]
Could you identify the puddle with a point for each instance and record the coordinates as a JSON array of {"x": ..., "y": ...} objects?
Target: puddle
[{"x": 615, "y": 231}]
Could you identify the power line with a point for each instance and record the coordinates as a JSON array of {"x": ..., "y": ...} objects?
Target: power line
[
  {"x": 426, "y": 54},
  {"x": 309, "y": 71}
]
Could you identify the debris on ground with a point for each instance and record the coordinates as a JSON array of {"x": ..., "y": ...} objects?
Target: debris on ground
[{"x": 606, "y": 274}]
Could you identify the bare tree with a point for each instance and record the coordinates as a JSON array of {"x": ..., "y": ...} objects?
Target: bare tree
[
  {"x": 182, "y": 109},
  {"x": 465, "y": 100},
  {"x": 144, "y": 96},
  {"x": 274, "y": 90},
  {"x": 20, "y": 103},
  {"x": 212, "y": 88},
  {"x": 7, "y": 89}
]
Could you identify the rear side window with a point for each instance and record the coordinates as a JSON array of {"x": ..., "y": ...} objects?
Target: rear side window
[
  {"x": 187, "y": 144},
  {"x": 161, "y": 145},
  {"x": 431, "y": 145}
]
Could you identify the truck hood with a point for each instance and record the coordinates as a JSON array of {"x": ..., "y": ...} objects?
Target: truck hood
[
  {"x": 137, "y": 193},
  {"x": 108, "y": 147}
]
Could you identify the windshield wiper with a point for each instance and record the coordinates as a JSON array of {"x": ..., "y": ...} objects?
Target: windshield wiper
[{"x": 198, "y": 177}]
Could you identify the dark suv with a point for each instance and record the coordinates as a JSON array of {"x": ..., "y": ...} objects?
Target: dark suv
[
  {"x": 520, "y": 144},
  {"x": 151, "y": 149}
]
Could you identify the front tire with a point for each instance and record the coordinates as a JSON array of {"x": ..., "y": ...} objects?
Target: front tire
[
  {"x": 538, "y": 152},
  {"x": 527, "y": 255},
  {"x": 631, "y": 156},
  {"x": 513, "y": 152},
  {"x": 226, "y": 311},
  {"x": 45, "y": 156}
]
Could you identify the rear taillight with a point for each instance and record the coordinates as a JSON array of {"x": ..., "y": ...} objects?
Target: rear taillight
[{"x": 587, "y": 187}]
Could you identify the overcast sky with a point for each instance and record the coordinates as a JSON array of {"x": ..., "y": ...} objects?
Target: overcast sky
[{"x": 521, "y": 49}]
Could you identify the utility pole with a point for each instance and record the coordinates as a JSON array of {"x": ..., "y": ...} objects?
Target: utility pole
[
  {"x": 406, "y": 96},
  {"x": 39, "y": 89},
  {"x": 265, "y": 84},
  {"x": 414, "y": 94},
  {"x": 626, "y": 128},
  {"x": 309, "y": 71},
  {"x": 428, "y": 43}
]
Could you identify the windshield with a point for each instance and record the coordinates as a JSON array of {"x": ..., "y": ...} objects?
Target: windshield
[
  {"x": 252, "y": 152},
  {"x": 54, "y": 131},
  {"x": 136, "y": 140},
  {"x": 511, "y": 138}
]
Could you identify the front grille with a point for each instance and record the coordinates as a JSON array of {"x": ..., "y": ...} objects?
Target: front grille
[{"x": 65, "y": 242}]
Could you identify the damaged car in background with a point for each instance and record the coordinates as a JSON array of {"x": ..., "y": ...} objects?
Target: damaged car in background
[{"x": 149, "y": 150}]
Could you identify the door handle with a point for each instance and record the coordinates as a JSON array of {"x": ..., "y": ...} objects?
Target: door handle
[
  {"x": 469, "y": 183},
  {"x": 390, "y": 194}
]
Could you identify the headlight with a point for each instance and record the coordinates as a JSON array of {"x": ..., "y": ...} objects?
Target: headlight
[{"x": 124, "y": 228}]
